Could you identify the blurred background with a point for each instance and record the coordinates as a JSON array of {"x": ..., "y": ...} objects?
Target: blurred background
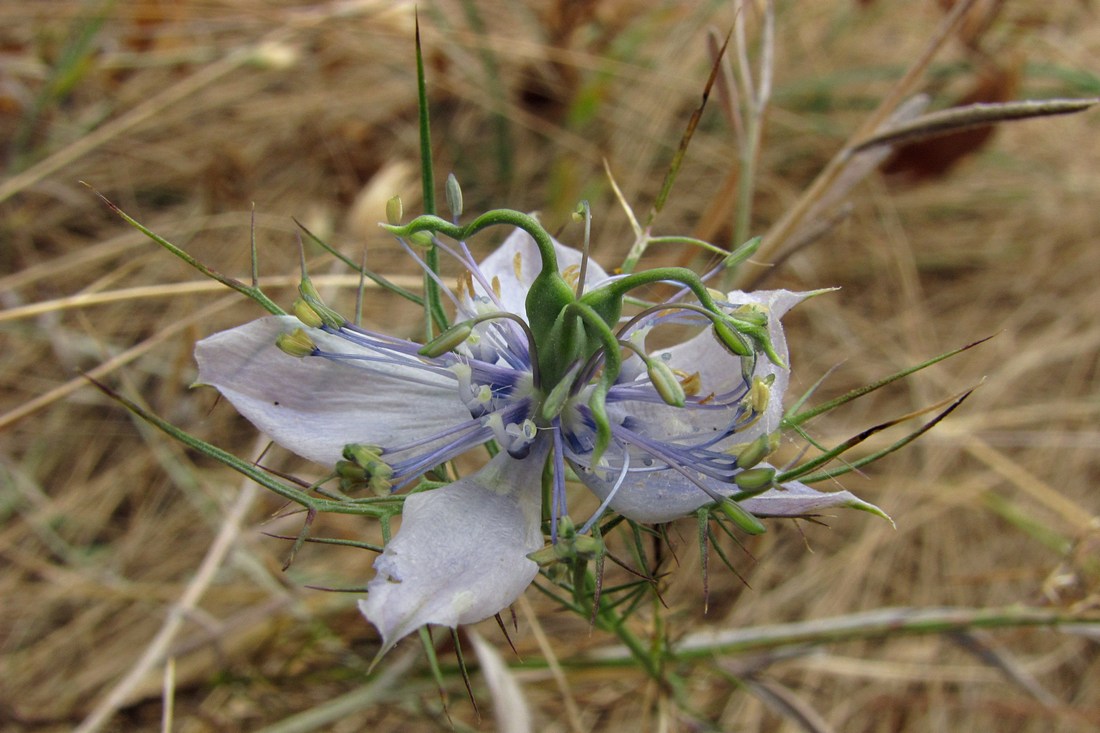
[{"x": 137, "y": 575}]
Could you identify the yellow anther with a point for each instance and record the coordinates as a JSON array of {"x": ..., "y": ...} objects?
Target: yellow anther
[
  {"x": 447, "y": 341},
  {"x": 394, "y": 210},
  {"x": 760, "y": 393},
  {"x": 691, "y": 383},
  {"x": 665, "y": 382},
  {"x": 306, "y": 314},
  {"x": 750, "y": 454},
  {"x": 571, "y": 275},
  {"x": 297, "y": 343},
  {"x": 517, "y": 265}
]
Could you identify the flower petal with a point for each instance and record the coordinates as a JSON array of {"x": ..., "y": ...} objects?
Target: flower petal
[
  {"x": 315, "y": 406},
  {"x": 514, "y": 265},
  {"x": 796, "y": 499},
  {"x": 461, "y": 553},
  {"x": 661, "y": 496},
  {"x": 719, "y": 373}
]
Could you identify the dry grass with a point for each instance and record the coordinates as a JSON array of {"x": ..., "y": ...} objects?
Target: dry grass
[{"x": 186, "y": 113}]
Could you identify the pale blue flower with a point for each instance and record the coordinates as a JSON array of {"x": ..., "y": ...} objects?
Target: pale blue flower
[{"x": 461, "y": 553}]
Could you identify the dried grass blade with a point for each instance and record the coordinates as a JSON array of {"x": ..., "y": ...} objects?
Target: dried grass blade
[
  {"x": 783, "y": 701},
  {"x": 689, "y": 132},
  {"x": 956, "y": 119},
  {"x": 510, "y": 708}
]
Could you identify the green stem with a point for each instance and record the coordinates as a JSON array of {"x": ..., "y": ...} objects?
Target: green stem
[
  {"x": 436, "y": 312},
  {"x": 252, "y": 292},
  {"x": 613, "y": 362},
  {"x": 496, "y": 217},
  {"x": 680, "y": 275},
  {"x": 385, "y": 508}
]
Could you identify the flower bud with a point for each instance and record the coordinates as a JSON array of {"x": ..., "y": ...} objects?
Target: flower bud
[
  {"x": 297, "y": 343},
  {"x": 394, "y": 211},
  {"x": 454, "y": 196},
  {"x": 447, "y": 341},
  {"x": 544, "y": 556}
]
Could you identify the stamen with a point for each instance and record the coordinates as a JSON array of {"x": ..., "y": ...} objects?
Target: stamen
[
  {"x": 557, "y": 496},
  {"x": 583, "y": 206},
  {"x": 571, "y": 275},
  {"x": 610, "y": 495}
]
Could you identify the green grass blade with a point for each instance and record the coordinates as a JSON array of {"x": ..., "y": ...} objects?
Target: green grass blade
[
  {"x": 381, "y": 281},
  {"x": 248, "y": 291},
  {"x": 790, "y": 420},
  {"x": 799, "y": 471},
  {"x": 436, "y": 314}
]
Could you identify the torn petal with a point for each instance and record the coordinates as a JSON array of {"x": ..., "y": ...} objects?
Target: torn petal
[
  {"x": 662, "y": 496},
  {"x": 460, "y": 555},
  {"x": 796, "y": 499}
]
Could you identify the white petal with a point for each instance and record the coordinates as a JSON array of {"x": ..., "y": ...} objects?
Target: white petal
[
  {"x": 719, "y": 372},
  {"x": 661, "y": 496},
  {"x": 796, "y": 499},
  {"x": 515, "y": 276},
  {"x": 315, "y": 406},
  {"x": 460, "y": 555}
]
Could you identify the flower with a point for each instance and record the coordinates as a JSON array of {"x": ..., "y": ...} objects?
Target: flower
[{"x": 533, "y": 363}]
